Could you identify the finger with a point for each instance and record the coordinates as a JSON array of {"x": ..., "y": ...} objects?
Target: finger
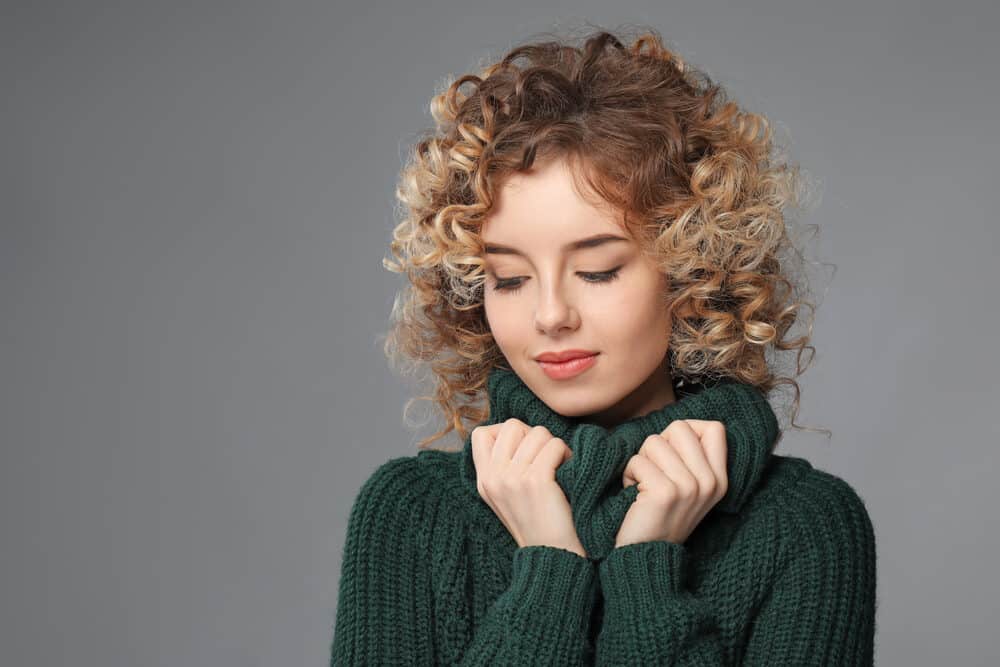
[
  {"x": 644, "y": 472},
  {"x": 662, "y": 452},
  {"x": 552, "y": 455},
  {"x": 688, "y": 444},
  {"x": 482, "y": 446},
  {"x": 531, "y": 444},
  {"x": 714, "y": 445},
  {"x": 510, "y": 434}
]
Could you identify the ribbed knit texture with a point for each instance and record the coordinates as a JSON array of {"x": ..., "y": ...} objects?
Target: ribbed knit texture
[{"x": 780, "y": 572}]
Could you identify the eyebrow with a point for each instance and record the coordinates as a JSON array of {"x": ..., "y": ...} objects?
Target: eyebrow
[{"x": 589, "y": 242}]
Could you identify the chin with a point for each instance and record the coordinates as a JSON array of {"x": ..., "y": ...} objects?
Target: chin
[{"x": 567, "y": 404}]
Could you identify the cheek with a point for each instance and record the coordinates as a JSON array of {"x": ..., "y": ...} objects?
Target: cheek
[
  {"x": 637, "y": 316},
  {"x": 502, "y": 318}
]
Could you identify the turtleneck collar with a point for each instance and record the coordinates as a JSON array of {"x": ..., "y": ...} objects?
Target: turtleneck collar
[{"x": 591, "y": 478}]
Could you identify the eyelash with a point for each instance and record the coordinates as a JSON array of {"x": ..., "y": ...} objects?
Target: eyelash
[{"x": 602, "y": 277}]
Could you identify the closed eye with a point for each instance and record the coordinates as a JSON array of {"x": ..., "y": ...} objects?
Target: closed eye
[{"x": 512, "y": 285}]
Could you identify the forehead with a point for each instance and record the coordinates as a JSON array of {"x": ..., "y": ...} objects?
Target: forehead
[{"x": 548, "y": 204}]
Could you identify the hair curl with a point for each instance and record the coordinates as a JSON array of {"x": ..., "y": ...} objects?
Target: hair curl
[{"x": 700, "y": 183}]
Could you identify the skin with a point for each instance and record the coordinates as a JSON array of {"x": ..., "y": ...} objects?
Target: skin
[
  {"x": 557, "y": 308},
  {"x": 681, "y": 474},
  {"x": 541, "y": 295}
]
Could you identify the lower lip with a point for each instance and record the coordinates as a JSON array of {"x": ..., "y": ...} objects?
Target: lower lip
[{"x": 567, "y": 369}]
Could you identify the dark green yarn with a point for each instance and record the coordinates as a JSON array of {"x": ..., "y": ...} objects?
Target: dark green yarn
[
  {"x": 781, "y": 572},
  {"x": 591, "y": 479}
]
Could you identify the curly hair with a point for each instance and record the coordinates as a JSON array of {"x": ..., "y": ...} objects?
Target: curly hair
[{"x": 700, "y": 183}]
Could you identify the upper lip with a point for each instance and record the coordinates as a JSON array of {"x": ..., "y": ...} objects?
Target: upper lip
[{"x": 565, "y": 355}]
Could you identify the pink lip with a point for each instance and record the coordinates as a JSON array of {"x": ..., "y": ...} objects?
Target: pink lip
[
  {"x": 564, "y": 355},
  {"x": 562, "y": 370}
]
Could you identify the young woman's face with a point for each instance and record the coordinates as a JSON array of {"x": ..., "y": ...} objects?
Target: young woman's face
[{"x": 542, "y": 295}]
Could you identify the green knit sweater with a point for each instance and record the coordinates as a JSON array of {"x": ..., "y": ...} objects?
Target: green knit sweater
[{"x": 780, "y": 572}]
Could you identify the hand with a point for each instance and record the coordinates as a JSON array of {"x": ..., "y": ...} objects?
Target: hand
[
  {"x": 515, "y": 475},
  {"x": 681, "y": 474}
]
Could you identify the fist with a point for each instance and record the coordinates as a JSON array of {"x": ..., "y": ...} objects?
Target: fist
[
  {"x": 681, "y": 474},
  {"x": 516, "y": 476}
]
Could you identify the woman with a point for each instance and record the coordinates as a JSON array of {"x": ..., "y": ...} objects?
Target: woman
[{"x": 595, "y": 237}]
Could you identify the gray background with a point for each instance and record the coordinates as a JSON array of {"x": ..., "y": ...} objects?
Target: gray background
[{"x": 196, "y": 201}]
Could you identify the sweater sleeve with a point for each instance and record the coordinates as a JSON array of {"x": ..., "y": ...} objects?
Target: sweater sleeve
[
  {"x": 380, "y": 618},
  {"x": 650, "y": 618},
  {"x": 820, "y": 609},
  {"x": 385, "y": 610},
  {"x": 544, "y": 615}
]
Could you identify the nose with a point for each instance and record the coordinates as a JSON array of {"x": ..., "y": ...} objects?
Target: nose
[{"x": 554, "y": 311}]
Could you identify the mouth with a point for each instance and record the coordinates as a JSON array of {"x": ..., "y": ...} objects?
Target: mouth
[{"x": 561, "y": 370}]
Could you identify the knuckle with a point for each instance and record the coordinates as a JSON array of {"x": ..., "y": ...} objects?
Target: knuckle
[
  {"x": 650, "y": 442},
  {"x": 488, "y": 486},
  {"x": 538, "y": 433},
  {"x": 664, "y": 495},
  {"x": 674, "y": 426},
  {"x": 687, "y": 491},
  {"x": 481, "y": 433}
]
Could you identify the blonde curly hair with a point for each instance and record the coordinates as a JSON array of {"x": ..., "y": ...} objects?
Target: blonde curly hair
[{"x": 699, "y": 181}]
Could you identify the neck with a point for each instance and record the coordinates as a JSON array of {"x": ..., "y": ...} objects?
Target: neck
[{"x": 591, "y": 478}]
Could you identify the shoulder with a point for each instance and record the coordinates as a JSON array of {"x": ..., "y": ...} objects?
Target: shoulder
[
  {"x": 427, "y": 479},
  {"x": 829, "y": 491},
  {"x": 392, "y": 478},
  {"x": 819, "y": 496},
  {"x": 794, "y": 484},
  {"x": 823, "y": 514}
]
